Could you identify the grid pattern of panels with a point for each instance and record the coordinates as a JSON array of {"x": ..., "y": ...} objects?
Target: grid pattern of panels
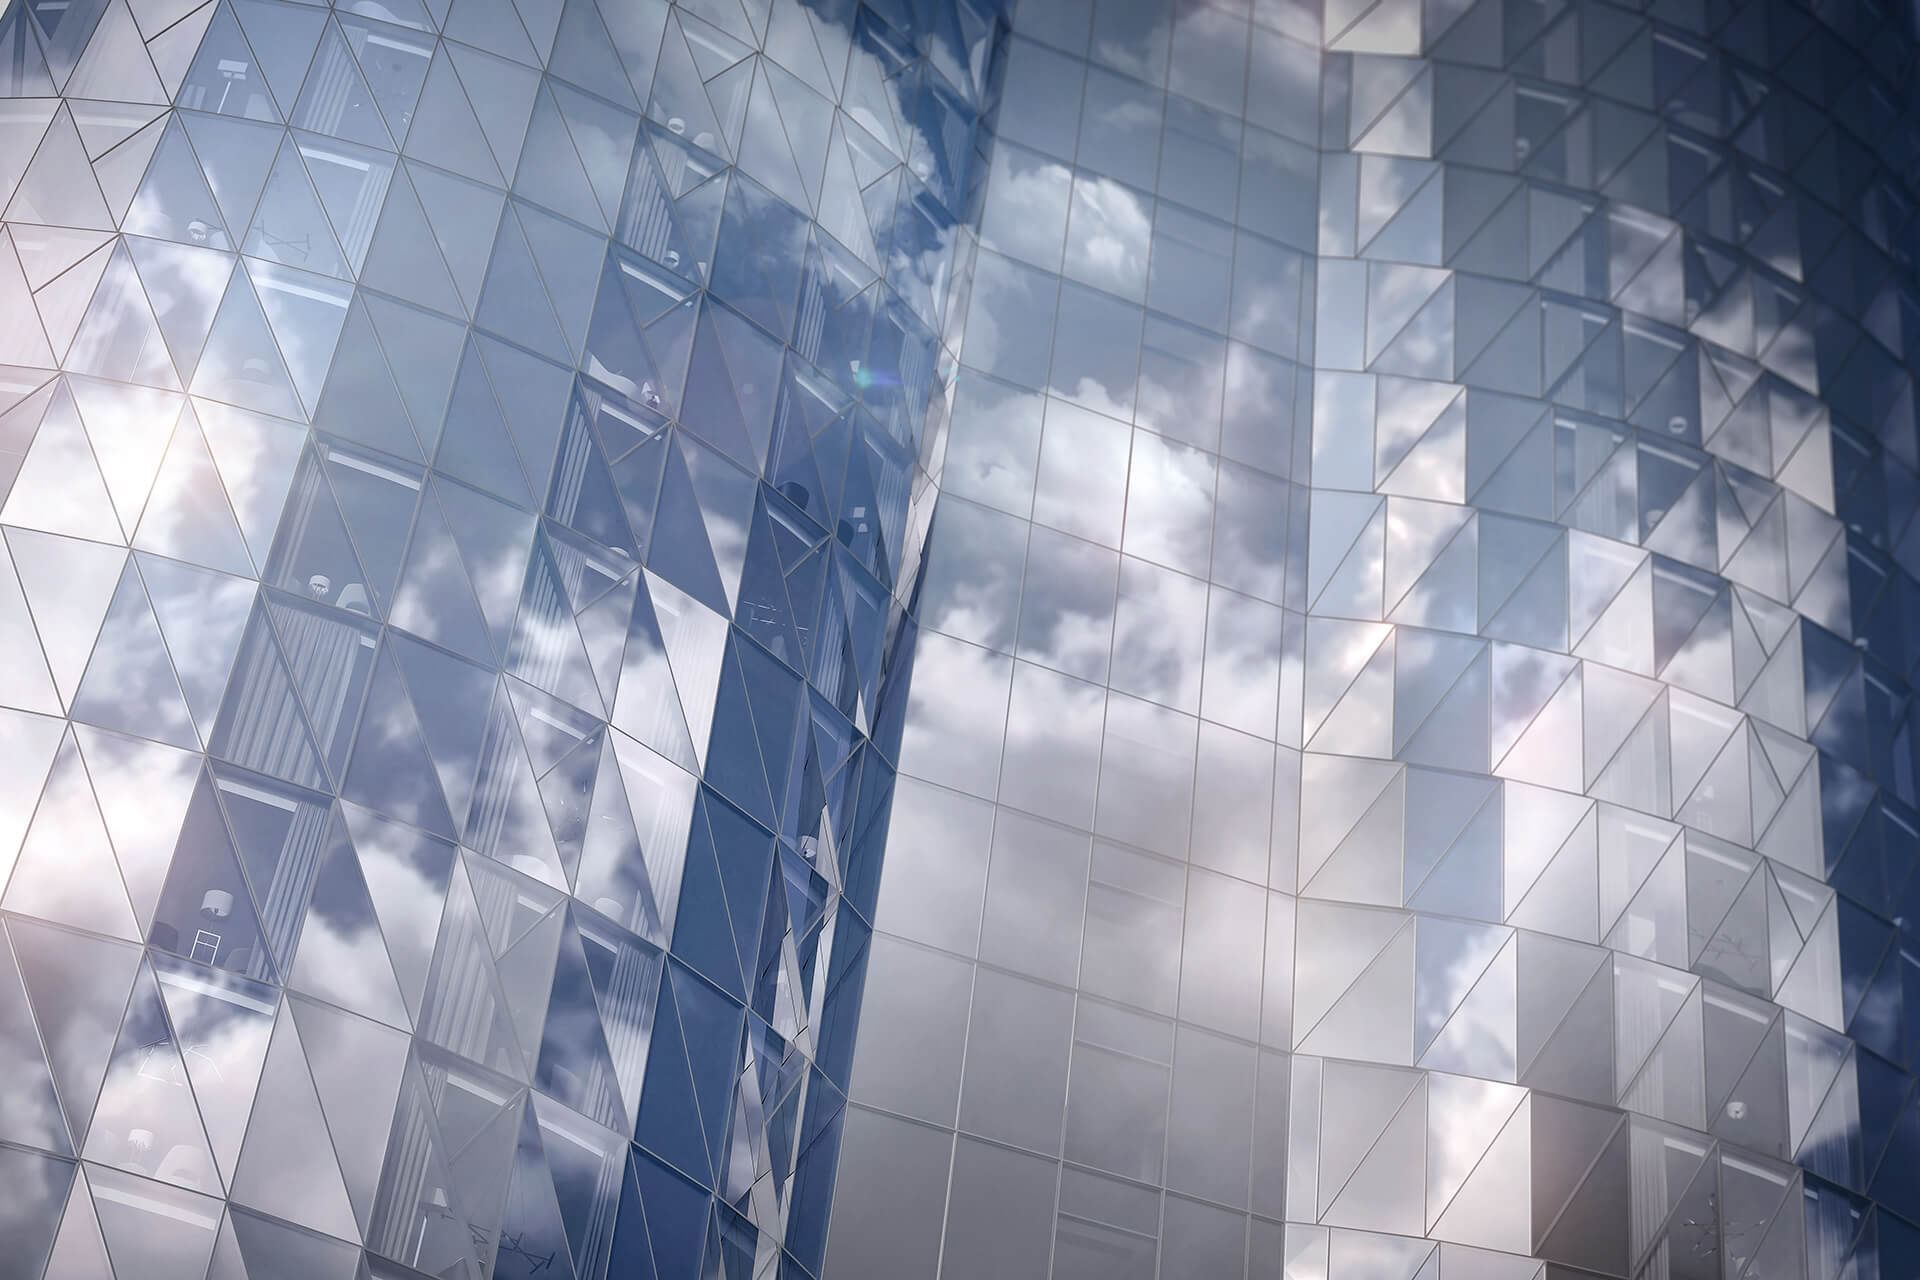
[
  {"x": 1408, "y": 772},
  {"x": 461, "y": 464}
]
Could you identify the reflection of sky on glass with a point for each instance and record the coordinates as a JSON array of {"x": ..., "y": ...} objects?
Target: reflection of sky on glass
[{"x": 1386, "y": 573}]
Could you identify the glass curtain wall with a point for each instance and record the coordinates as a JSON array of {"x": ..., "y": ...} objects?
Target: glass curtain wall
[
  {"x": 1408, "y": 772},
  {"x": 461, "y": 467},
  {"x": 1396, "y": 762}
]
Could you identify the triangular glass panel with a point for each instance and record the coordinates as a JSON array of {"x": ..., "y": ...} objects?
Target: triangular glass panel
[
  {"x": 288, "y": 1166},
  {"x": 239, "y": 155},
  {"x": 241, "y": 363},
  {"x": 435, "y": 598},
  {"x": 343, "y": 957},
  {"x": 261, "y": 725},
  {"x": 65, "y": 871},
  {"x": 376, "y": 503},
  {"x": 1372, "y": 1096},
  {"x": 187, "y": 516},
  {"x": 58, "y": 187},
  {"x": 129, "y": 428},
  {"x": 547, "y": 649},
  {"x": 304, "y": 313},
  {"x": 404, "y": 255},
  {"x": 1580, "y": 1207},
  {"x": 475, "y": 444},
  {"x": 406, "y": 873},
  {"x": 34, "y": 1115},
  {"x": 394, "y": 59},
  {"x": 276, "y": 1248},
  {"x": 68, "y": 585},
  {"x": 26, "y": 75},
  {"x": 463, "y": 979},
  {"x": 256, "y": 457},
  {"x": 222, "y": 1031},
  {"x": 1372, "y": 1019},
  {"x": 23, "y": 338},
  {"x": 575, "y": 1064},
  {"x": 59, "y": 488},
  {"x": 129, "y": 684},
  {"x": 390, "y": 769},
  {"x": 288, "y": 225},
  {"x": 357, "y": 1070},
  {"x": 533, "y": 1233},
  {"x": 278, "y": 834},
  {"x": 25, "y": 681},
  {"x": 115, "y": 63},
  {"x": 445, "y": 130},
  {"x": 360, "y": 401},
  {"x": 551, "y": 172},
  {"x": 224, "y": 78},
  {"x": 78, "y": 987},
  {"x": 336, "y": 100},
  {"x": 205, "y": 912},
  {"x": 146, "y": 1120},
  {"x": 1386, "y": 1192},
  {"x": 20, "y": 137},
  {"x": 531, "y": 393},
  {"x": 158, "y": 1230},
  {"x": 78, "y": 1250},
  {"x": 585, "y": 52},
  {"x": 502, "y": 95},
  {"x": 697, "y": 1041},
  {"x": 143, "y": 789}
]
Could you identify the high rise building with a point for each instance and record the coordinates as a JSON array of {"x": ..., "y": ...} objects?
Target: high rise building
[{"x": 967, "y": 639}]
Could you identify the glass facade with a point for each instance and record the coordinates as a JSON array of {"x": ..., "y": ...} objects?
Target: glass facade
[
  {"x": 463, "y": 466},
  {"x": 1408, "y": 769},
  {"x": 1078, "y": 639}
]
